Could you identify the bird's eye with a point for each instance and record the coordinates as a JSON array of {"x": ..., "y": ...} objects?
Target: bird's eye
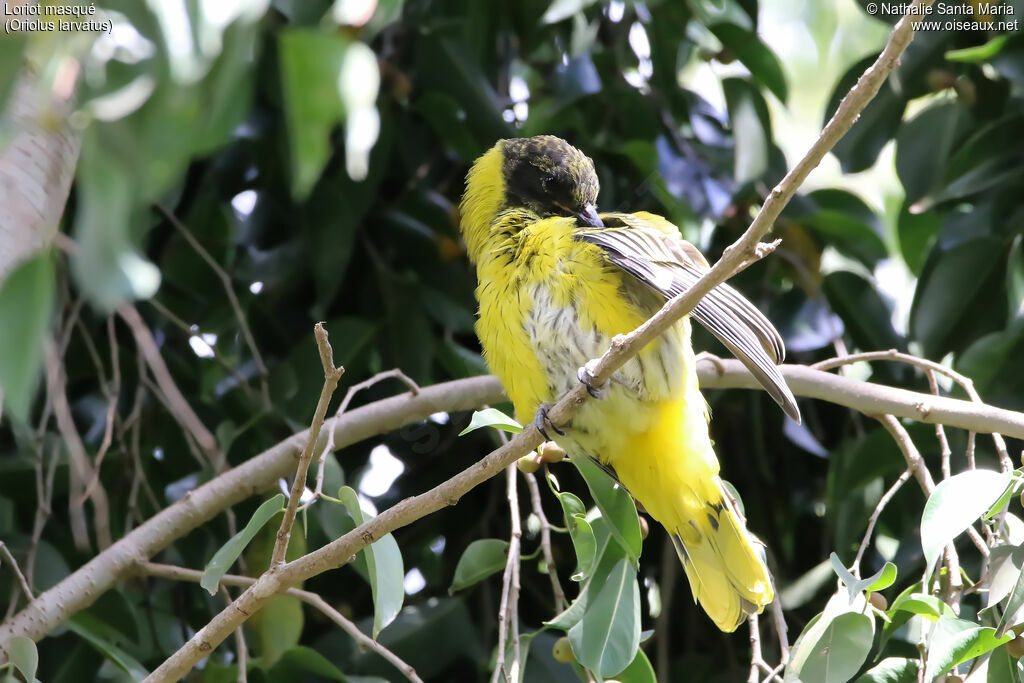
[{"x": 546, "y": 182}]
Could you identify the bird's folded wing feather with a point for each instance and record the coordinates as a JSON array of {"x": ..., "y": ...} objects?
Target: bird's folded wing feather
[{"x": 649, "y": 248}]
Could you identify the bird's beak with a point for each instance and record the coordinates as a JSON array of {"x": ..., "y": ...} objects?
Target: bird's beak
[{"x": 588, "y": 216}]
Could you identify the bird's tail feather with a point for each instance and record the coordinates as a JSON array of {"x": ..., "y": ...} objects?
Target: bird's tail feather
[{"x": 727, "y": 573}]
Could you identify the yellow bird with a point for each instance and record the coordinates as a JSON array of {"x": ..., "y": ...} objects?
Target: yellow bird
[{"x": 557, "y": 281}]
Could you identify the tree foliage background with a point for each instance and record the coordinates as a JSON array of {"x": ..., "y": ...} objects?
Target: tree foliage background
[{"x": 314, "y": 152}]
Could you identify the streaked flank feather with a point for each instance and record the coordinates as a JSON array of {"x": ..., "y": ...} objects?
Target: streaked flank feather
[{"x": 557, "y": 281}]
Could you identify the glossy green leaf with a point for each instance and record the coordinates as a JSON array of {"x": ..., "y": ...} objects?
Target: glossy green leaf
[
  {"x": 954, "y": 505},
  {"x": 843, "y": 220},
  {"x": 841, "y": 650},
  {"x": 926, "y": 605},
  {"x": 607, "y": 638},
  {"x": 26, "y": 305},
  {"x": 892, "y": 670},
  {"x": 580, "y": 531},
  {"x": 222, "y": 560},
  {"x": 810, "y": 649},
  {"x": 492, "y": 417},
  {"x": 955, "y": 641},
  {"x": 22, "y": 654},
  {"x": 384, "y": 566},
  {"x": 639, "y": 671},
  {"x": 563, "y": 9},
  {"x": 481, "y": 558},
  {"x": 615, "y": 503}
]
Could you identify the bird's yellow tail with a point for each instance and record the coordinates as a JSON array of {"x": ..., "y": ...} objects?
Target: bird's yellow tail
[
  {"x": 727, "y": 573},
  {"x": 666, "y": 460}
]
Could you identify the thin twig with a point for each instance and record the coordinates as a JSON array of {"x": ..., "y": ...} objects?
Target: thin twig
[
  {"x": 508, "y": 611},
  {"x": 82, "y": 468},
  {"x": 236, "y": 306},
  {"x": 395, "y": 373},
  {"x": 876, "y": 513},
  {"x": 179, "y": 406},
  {"x": 545, "y": 542},
  {"x": 314, "y": 600},
  {"x": 240, "y": 647},
  {"x": 966, "y": 382},
  {"x": 16, "y": 570},
  {"x": 331, "y": 377}
]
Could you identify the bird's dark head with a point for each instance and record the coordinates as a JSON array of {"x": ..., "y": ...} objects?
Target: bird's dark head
[{"x": 550, "y": 177}]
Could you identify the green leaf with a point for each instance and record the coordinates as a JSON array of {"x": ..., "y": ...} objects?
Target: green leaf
[
  {"x": 303, "y": 663},
  {"x": 311, "y": 63},
  {"x": 607, "y": 638},
  {"x": 759, "y": 59},
  {"x": 978, "y": 53},
  {"x": 222, "y": 560},
  {"x": 639, "y": 671},
  {"x": 809, "y": 646},
  {"x": 936, "y": 317},
  {"x": 580, "y": 530},
  {"x": 103, "y": 637},
  {"x": 880, "y": 580},
  {"x": 955, "y": 641},
  {"x": 21, "y": 652},
  {"x": 482, "y": 558},
  {"x": 384, "y": 566},
  {"x": 492, "y": 417},
  {"x": 841, "y": 650},
  {"x": 954, "y": 505},
  {"x": 26, "y": 307},
  {"x": 1012, "y": 611},
  {"x": 923, "y": 146},
  {"x": 892, "y": 670},
  {"x": 615, "y": 503},
  {"x": 843, "y": 219},
  {"x": 927, "y": 606}
]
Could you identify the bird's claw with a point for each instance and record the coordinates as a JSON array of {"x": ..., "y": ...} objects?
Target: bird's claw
[
  {"x": 542, "y": 422},
  {"x": 586, "y": 377}
]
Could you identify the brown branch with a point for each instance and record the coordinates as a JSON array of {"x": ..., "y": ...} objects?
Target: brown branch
[
  {"x": 875, "y": 514},
  {"x": 331, "y": 377},
  {"x": 314, "y": 600}
]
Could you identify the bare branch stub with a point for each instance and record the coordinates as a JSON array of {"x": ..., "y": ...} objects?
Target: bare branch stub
[{"x": 332, "y": 375}]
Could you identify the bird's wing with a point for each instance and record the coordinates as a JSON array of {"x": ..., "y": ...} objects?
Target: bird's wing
[{"x": 650, "y": 249}]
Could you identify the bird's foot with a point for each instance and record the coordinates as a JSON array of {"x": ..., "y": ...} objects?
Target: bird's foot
[
  {"x": 542, "y": 422},
  {"x": 586, "y": 377}
]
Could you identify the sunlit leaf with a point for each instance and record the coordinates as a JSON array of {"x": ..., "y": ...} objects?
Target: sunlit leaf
[
  {"x": 841, "y": 649},
  {"x": 954, "y": 505},
  {"x": 492, "y": 417},
  {"x": 21, "y": 652},
  {"x": 955, "y": 641},
  {"x": 607, "y": 637}
]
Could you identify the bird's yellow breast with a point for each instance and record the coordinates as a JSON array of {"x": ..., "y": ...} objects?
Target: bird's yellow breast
[{"x": 549, "y": 303}]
